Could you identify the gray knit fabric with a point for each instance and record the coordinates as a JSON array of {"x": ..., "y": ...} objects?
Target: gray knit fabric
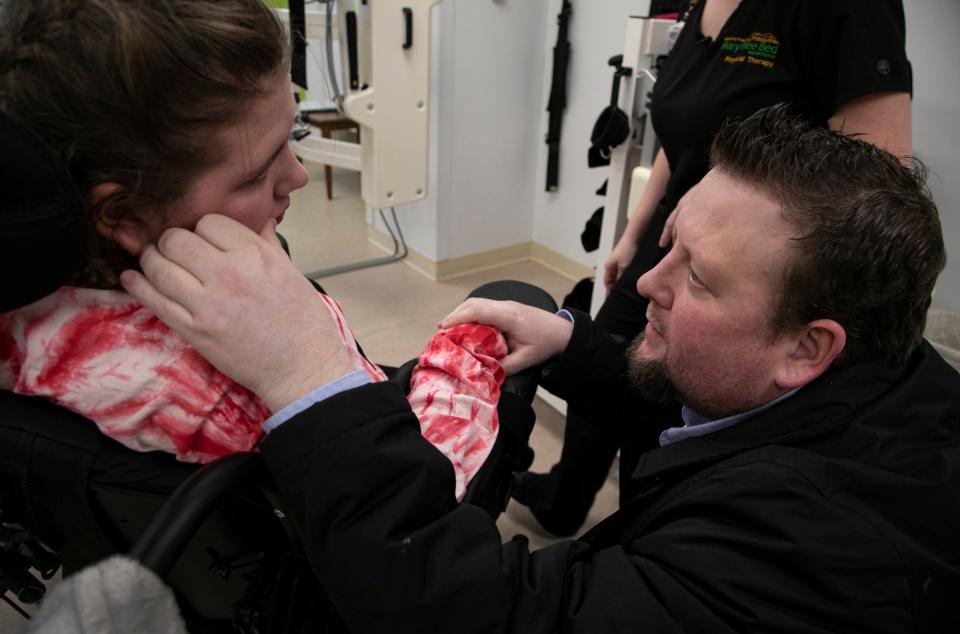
[{"x": 116, "y": 595}]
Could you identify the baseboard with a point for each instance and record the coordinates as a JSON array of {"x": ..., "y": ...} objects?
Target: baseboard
[
  {"x": 415, "y": 260},
  {"x": 475, "y": 262},
  {"x": 570, "y": 269}
]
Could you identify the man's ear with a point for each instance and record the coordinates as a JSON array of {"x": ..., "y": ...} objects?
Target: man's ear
[
  {"x": 809, "y": 352},
  {"x": 125, "y": 229}
]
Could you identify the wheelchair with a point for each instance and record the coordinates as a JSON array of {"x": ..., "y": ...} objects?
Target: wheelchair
[{"x": 71, "y": 496}]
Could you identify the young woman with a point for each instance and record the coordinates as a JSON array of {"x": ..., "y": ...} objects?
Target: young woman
[{"x": 162, "y": 113}]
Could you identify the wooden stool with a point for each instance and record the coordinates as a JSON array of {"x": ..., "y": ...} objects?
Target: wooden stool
[{"x": 327, "y": 122}]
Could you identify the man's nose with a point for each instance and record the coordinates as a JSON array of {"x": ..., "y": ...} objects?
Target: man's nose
[{"x": 655, "y": 284}]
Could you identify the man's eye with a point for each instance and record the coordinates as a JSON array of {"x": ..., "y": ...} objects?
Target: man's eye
[{"x": 694, "y": 279}]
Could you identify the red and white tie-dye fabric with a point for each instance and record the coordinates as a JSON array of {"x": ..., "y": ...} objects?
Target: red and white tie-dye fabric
[
  {"x": 454, "y": 392},
  {"x": 102, "y": 355}
]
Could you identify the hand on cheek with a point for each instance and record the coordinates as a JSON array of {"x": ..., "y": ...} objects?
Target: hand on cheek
[{"x": 237, "y": 298}]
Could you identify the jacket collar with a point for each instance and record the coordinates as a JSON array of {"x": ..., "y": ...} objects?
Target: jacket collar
[{"x": 821, "y": 406}]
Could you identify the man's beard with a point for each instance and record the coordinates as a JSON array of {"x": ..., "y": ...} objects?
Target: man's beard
[{"x": 649, "y": 376}]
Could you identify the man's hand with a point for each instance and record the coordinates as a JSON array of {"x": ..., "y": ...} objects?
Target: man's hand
[
  {"x": 236, "y": 297},
  {"x": 533, "y": 335}
]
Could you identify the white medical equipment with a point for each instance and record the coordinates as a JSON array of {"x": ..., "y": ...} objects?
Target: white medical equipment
[
  {"x": 630, "y": 162},
  {"x": 385, "y": 55},
  {"x": 385, "y": 67}
]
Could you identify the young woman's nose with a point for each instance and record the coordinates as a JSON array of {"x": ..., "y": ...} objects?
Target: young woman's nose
[{"x": 293, "y": 175}]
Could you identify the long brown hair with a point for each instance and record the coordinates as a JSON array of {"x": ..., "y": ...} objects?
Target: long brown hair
[{"x": 131, "y": 92}]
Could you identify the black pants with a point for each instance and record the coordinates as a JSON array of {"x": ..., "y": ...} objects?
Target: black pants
[{"x": 589, "y": 446}]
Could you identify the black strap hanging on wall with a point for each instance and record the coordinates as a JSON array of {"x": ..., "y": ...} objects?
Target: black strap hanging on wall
[
  {"x": 298, "y": 43},
  {"x": 613, "y": 125},
  {"x": 558, "y": 94}
]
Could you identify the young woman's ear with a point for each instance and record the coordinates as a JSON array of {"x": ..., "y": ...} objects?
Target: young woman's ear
[{"x": 111, "y": 223}]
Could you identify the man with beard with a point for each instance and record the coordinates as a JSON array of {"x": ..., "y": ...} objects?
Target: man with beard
[{"x": 812, "y": 482}]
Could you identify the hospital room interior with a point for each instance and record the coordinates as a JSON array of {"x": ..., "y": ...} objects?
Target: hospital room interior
[{"x": 451, "y": 144}]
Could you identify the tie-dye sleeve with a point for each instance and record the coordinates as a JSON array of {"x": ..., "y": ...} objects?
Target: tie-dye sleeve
[{"x": 454, "y": 392}]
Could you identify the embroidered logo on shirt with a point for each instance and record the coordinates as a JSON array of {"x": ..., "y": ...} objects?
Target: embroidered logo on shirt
[{"x": 759, "y": 49}]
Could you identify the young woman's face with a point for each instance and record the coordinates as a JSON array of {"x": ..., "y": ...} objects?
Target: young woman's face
[{"x": 253, "y": 181}]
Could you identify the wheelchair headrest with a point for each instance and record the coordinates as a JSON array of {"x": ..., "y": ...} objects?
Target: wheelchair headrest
[{"x": 42, "y": 234}]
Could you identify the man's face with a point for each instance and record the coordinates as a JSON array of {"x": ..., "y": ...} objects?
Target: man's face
[
  {"x": 712, "y": 299},
  {"x": 259, "y": 170}
]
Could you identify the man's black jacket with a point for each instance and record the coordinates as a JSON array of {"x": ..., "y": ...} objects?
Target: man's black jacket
[{"x": 837, "y": 510}]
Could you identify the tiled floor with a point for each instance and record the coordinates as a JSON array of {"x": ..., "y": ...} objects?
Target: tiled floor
[{"x": 394, "y": 311}]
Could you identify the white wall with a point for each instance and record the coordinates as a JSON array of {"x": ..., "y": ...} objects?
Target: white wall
[
  {"x": 492, "y": 144},
  {"x": 934, "y": 51},
  {"x": 485, "y": 109},
  {"x": 597, "y": 33}
]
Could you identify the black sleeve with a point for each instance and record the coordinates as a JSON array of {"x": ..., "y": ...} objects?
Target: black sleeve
[
  {"x": 854, "y": 48},
  {"x": 592, "y": 371},
  {"x": 373, "y": 502},
  {"x": 374, "y": 505}
]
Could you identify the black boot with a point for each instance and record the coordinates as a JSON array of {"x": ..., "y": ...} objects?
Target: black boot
[{"x": 561, "y": 499}]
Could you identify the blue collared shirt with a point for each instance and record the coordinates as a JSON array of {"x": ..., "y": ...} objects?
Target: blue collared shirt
[
  {"x": 344, "y": 383},
  {"x": 696, "y": 425}
]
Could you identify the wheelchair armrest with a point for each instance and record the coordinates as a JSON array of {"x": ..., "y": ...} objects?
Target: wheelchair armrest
[
  {"x": 521, "y": 292},
  {"x": 198, "y": 497}
]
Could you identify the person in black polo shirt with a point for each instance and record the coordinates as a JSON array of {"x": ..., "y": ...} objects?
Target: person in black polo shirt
[{"x": 841, "y": 63}]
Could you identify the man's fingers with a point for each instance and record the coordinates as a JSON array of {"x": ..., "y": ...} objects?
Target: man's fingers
[
  {"x": 168, "y": 277},
  {"x": 518, "y": 361},
  {"x": 223, "y": 232},
  {"x": 462, "y": 314},
  {"x": 169, "y": 311},
  {"x": 190, "y": 252},
  {"x": 269, "y": 233},
  {"x": 480, "y": 311},
  {"x": 512, "y": 363}
]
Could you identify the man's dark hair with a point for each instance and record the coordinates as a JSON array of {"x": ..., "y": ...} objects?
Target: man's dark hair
[{"x": 869, "y": 246}]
